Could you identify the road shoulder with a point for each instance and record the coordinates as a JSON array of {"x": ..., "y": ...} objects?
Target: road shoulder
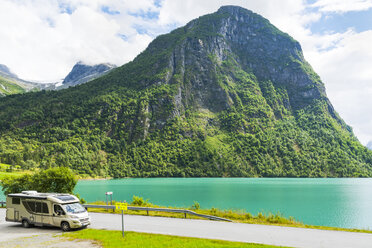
[{"x": 48, "y": 241}]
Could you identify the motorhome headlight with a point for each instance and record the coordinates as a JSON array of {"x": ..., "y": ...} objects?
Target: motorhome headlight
[{"x": 74, "y": 217}]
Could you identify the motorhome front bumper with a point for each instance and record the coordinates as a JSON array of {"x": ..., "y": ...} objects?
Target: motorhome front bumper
[{"x": 80, "y": 223}]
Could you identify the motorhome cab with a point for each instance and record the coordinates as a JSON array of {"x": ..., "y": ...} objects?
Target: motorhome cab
[{"x": 46, "y": 209}]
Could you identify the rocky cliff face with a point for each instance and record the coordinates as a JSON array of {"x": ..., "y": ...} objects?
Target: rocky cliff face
[
  {"x": 82, "y": 73},
  {"x": 224, "y": 60}
]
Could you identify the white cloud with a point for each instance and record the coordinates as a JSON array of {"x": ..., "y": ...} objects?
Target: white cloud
[
  {"x": 279, "y": 12},
  {"x": 342, "y": 6},
  {"x": 39, "y": 42},
  {"x": 346, "y": 70}
]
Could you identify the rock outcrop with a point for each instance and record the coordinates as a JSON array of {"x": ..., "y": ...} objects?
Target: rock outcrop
[{"x": 82, "y": 73}]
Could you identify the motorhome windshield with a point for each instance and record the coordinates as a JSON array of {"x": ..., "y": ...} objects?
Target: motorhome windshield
[{"x": 74, "y": 208}]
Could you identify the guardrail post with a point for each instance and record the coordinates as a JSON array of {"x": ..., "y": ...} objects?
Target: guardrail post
[
  {"x": 147, "y": 211},
  {"x": 185, "y": 215}
]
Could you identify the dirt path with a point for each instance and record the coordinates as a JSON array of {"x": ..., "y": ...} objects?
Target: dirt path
[
  {"x": 47, "y": 241},
  {"x": 13, "y": 235}
]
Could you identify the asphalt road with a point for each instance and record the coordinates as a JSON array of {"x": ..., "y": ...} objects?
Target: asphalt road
[
  {"x": 272, "y": 235},
  {"x": 11, "y": 231}
]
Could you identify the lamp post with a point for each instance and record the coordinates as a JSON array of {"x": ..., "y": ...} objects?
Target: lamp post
[{"x": 110, "y": 193}]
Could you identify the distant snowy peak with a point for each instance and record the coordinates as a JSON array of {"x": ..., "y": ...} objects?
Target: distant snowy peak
[
  {"x": 369, "y": 145},
  {"x": 82, "y": 73}
]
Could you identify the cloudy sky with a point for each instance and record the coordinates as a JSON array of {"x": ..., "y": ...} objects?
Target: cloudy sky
[{"x": 41, "y": 40}]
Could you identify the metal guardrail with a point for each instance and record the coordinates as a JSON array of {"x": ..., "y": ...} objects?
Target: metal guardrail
[
  {"x": 169, "y": 210},
  {"x": 147, "y": 209}
]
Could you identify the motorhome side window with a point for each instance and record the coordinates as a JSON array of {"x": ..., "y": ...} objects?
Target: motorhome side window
[
  {"x": 45, "y": 209},
  {"x": 58, "y": 209},
  {"x": 41, "y": 207},
  {"x": 37, "y": 207},
  {"x": 16, "y": 201},
  {"x": 30, "y": 205}
]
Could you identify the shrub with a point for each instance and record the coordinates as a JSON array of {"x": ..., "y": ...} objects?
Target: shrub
[
  {"x": 139, "y": 201},
  {"x": 213, "y": 211},
  {"x": 248, "y": 216},
  {"x": 195, "y": 206},
  {"x": 60, "y": 179}
]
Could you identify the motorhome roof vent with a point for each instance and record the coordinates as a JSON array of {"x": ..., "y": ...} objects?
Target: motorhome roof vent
[{"x": 30, "y": 192}]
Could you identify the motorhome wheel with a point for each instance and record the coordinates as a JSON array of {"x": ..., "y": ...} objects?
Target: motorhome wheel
[
  {"x": 25, "y": 223},
  {"x": 65, "y": 226}
]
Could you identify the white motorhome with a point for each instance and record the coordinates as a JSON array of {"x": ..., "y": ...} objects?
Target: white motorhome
[{"x": 46, "y": 209}]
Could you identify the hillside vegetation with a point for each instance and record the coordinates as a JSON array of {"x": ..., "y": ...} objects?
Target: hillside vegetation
[
  {"x": 8, "y": 87},
  {"x": 226, "y": 95}
]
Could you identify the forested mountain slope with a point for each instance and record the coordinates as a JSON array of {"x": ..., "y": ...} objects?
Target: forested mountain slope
[{"x": 226, "y": 95}]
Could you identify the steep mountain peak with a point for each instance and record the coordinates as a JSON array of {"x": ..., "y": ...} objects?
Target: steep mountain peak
[
  {"x": 238, "y": 11},
  {"x": 83, "y": 72},
  {"x": 83, "y": 63},
  {"x": 246, "y": 42}
]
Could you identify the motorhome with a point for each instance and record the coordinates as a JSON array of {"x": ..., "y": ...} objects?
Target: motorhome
[{"x": 46, "y": 209}]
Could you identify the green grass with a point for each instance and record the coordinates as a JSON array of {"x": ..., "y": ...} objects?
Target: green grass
[
  {"x": 16, "y": 171},
  {"x": 4, "y": 166},
  {"x": 15, "y": 174},
  {"x": 112, "y": 239},
  {"x": 8, "y": 87},
  {"x": 234, "y": 215}
]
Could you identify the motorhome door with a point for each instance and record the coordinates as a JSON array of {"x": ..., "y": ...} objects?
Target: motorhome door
[{"x": 58, "y": 214}]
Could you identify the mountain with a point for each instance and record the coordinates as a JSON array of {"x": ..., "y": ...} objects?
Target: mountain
[
  {"x": 369, "y": 145},
  {"x": 227, "y": 95},
  {"x": 11, "y": 84},
  {"x": 9, "y": 87},
  {"x": 82, "y": 73},
  {"x": 5, "y": 72}
]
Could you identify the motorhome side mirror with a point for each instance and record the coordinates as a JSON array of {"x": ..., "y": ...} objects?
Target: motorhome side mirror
[{"x": 59, "y": 212}]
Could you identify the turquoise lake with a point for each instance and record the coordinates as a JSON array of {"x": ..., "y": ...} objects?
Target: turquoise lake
[{"x": 338, "y": 202}]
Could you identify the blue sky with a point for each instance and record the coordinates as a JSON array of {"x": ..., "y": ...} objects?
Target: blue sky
[
  {"x": 340, "y": 22},
  {"x": 41, "y": 40}
]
